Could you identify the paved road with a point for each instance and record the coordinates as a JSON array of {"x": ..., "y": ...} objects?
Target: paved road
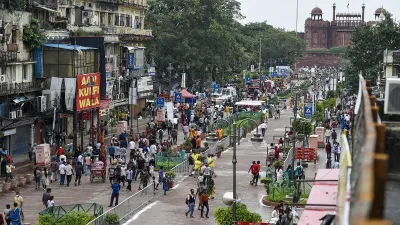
[
  {"x": 170, "y": 209},
  {"x": 97, "y": 192}
]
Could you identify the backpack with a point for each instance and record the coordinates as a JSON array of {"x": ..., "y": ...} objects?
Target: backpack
[
  {"x": 299, "y": 171},
  {"x": 141, "y": 143}
]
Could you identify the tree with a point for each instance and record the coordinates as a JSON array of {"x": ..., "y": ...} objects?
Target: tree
[
  {"x": 223, "y": 215},
  {"x": 368, "y": 44},
  {"x": 33, "y": 36},
  {"x": 206, "y": 33}
]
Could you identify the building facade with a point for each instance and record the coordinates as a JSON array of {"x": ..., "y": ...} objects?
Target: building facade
[
  {"x": 326, "y": 40},
  {"x": 114, "y": 30}
]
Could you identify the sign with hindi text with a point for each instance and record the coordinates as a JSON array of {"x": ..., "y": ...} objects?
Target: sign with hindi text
[{"x": 88, "y": 91}]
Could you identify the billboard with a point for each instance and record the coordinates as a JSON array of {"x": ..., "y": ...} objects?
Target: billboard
[{"x": 88, "y": 91}]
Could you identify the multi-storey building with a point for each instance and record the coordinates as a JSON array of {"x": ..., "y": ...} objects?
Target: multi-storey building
[
  {"x": 18, "y": 87},
  {"x": 114, "y": 29}
]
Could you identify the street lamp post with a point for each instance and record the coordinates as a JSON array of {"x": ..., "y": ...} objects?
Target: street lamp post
[
  {"x": 170, "y": 68},
  {"x": 91, "y": 84},
  {"x": 256, "y": 140}
]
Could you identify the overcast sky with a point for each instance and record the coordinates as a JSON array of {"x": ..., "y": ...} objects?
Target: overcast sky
[{"x": 282, "y": 13}]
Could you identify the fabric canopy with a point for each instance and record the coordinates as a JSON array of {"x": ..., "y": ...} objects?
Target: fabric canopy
[{"x": 186, "y": 94}]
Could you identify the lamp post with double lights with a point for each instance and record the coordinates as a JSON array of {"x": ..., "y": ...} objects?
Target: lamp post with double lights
[
  {"x": 256, "y": 140},
  {"x": 169, "y": 68},
  {"x": 92, "y": 84}
]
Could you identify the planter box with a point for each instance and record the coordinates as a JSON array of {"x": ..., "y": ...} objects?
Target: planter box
[{"x": 170, "y": 184}]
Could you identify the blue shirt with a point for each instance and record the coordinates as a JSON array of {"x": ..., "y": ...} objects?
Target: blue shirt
[
  {"x": 111, "y": 150},
  {"x": 115, "y": 187}
]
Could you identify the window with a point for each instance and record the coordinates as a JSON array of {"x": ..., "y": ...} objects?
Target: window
[
  {"x": 24, "y": 72},
  {"x": 14, "y": 35},
  {"x": 122, "y": 20},
  {"x": 110, "y": 19},
  {"x": 116, "y": 20},
  {"x": 128, "y": 20}
]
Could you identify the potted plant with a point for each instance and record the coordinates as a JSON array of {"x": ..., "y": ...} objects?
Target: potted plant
[
  {"x": 266, "y": 181},
  {"x": 220, "y": 148},
  {"x": 187, "y": 145},
  {"x": 111, "y": 219},
  {"x": 277, "y": 163},
  {"x": 202, "y": 158},
  {"x": 170, "y": 176}
]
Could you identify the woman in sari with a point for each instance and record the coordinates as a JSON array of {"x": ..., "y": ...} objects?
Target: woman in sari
[{"x": 15, "y": 215}]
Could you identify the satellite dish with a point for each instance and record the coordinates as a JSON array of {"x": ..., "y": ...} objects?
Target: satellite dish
[{"x": 228, "y": 199}]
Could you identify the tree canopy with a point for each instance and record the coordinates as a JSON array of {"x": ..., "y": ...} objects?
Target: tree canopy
[
  {"x": 365, "y": 52},
  {"x": 205, "y": 34}
]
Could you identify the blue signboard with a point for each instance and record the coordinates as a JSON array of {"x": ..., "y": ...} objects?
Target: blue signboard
[
  {"x": 263, "y": 77},
  {"x": 248, "y": 80},
  {"x": 160, "y": 102},
  {"x": 216, "y": 87},
  {"x": 178, "y": 97},
  {"x": 308, "y": 111},
  {"x": 273, "y": 74},
  {"x": 131, "y": 61}
]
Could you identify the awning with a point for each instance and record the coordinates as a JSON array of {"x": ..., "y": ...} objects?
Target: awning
[
  {"x": 69, "y": 47},
  {"x": 187, "y": 94},
  {"x": 24, "y": 122},
  {"x": 26, "y": 98},
  {"x": 19, "y": 99},
  {"x": 47, "y": 9}
]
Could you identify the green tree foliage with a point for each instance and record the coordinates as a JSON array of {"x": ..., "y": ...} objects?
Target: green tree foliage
[
  {"x": 302, "y": 126},
  {"x": 320, "y": 109},
  {"x": 206, "y": 32},
  {"x": 71, "y": 218},
  {"x": 368, "y": 44},
  {"x": 223, "y": 215},
  {"x": 33, "y": 36}
]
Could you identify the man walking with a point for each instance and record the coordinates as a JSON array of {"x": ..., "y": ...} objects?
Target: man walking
[
  {"x": 69, "y": 172},
  {"x": 61, "y": 168},
  {"x": 115, "y": 193},
  {"x": 263, "y": 127},
  {"x": 190, "y": 202},
  {"x": 129, "y": 178},
  {"x": 204, "y": 203},
  {"x": 9, "y": 169},
  {"x": 78, "y": 173},
  {"x": 46, "y": 196}
]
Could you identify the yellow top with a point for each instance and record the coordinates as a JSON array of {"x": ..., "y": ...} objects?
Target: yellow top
[
  {"x": 211, "y": 162},
  {"x": 195, "y": 156},
  {"x": 227, "y": 109},
  {"x": 122, "y": 115},
  {"x": 345, "y": 132},
  {"x": 197, "y": 164},
  {"x": 19, "y": 200}
]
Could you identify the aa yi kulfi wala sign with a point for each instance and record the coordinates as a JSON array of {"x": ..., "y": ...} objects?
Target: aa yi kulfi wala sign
[{"x": 88, "y": 91}]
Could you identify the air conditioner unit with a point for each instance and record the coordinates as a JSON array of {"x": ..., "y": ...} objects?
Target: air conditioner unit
[
  {"x": 41, "y": 103},
  {"x": 2, "y": 78},
  {"x": 13, "y": 115},
  {"x": 109, "y": 59},
  {"x": 19, "y": 113},
  {"x": 392, "y": 96}
]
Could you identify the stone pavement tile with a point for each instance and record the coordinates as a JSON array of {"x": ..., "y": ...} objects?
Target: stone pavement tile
[
  {"x": 96, "y": 192},
  {"x": 171, "y": 208}
]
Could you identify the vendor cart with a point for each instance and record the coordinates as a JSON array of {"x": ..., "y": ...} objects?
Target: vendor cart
[{"x": 97, "y": 170}]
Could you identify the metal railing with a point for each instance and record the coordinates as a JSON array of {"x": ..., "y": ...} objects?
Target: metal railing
[
  {"x": 130, "y": 206},
  {"x": 289, "y": 158},
  {"x": 16, "y": 88}
]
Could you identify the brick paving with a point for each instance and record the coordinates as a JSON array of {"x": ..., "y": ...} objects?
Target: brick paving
[{"x": 171, "y": 208}]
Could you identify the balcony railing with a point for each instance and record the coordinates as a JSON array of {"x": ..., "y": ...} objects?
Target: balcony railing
[
  {"x": 18, "y": 88},
  {"x": 8, "y": 57},
  {"x": 130, "y": 30}
]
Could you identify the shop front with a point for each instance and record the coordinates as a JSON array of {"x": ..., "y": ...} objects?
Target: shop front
[{"x": 17, "y": 136}]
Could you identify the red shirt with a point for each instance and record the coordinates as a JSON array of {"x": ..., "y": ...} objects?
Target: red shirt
[
  {"x": 255, "y": 168},
  {"x": 60, "y": 151}
]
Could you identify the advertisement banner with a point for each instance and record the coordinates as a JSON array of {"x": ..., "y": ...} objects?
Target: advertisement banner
[
  {"x": 320, "y": 131},
  {"x": 122, "y": 126},
  {"x": 131, "y": 60},
  {"x": 160, "y": 115},
  {"x": 88, "y": 91},
  {"x": 43, "y": 155}
]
